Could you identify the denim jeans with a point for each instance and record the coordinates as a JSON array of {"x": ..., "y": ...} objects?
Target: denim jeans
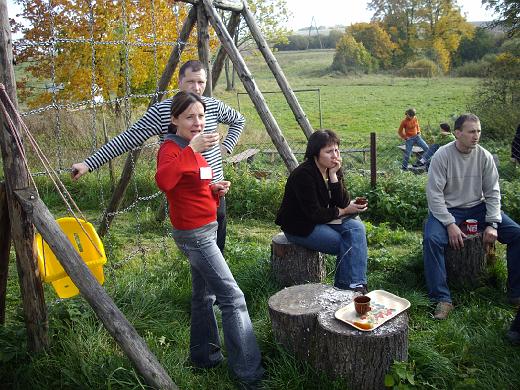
[
  {"x": 410, "y": 142},
  {"x": 348, "y": 242},
  {"x": 429, "y": 153},
  {"x": 436, "y": 240},
  {"x": 211, "y": 278}
]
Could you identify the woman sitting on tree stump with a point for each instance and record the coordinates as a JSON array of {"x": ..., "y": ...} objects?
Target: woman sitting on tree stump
[{"x": 317, "y": 213}]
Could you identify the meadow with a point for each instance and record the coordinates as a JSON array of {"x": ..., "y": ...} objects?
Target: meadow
[{"x": 149, "y": 279}]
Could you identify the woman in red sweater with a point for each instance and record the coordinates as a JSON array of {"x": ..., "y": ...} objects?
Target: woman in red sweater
[{"x": 185, "y": 176}]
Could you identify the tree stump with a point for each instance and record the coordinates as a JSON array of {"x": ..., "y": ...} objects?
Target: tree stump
[
  {"x": 293, "y": 313},
  {"x": 467, "y": 266},
  {"x": 293, "y": 264},
  {"x": 361, "y": 358}
]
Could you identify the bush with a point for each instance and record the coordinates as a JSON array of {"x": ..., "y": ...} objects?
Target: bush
[
  {"x": 420, "y": 68},
  {"x": 351, "y": 56},
  {"x": 472, "y": 69}
]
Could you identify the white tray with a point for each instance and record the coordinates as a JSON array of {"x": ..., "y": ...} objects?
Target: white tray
[{"x": 384, "y": 306}]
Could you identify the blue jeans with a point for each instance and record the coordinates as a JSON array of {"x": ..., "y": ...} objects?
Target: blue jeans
[
  {"x": 212, "y": 279},
  {"x": 348, "y": 242},
  {"x": 410, "y": 142},
  {"x": 436, "y": 240},
  {"x": 430, "y": 152},
  {"x": 222, "y": 224}
]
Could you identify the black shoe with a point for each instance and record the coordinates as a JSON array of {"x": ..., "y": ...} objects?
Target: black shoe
[
  {"x": 418, "y": 164},
  {"x": 513, "y": 337},
  {"x": 363, "y": 289}
]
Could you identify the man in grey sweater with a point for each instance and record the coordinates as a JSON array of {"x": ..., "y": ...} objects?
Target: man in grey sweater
[{"x": 463, "y": 184}]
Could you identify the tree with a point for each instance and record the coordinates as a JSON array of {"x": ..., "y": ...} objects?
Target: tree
[
  {"x": 474, "y": 48},
  {"x": 509, "y": 12},
  {"x": 128, "y": 56},
  {"x": 376, "y": 41},
  {"x": 351, "y": 56}
]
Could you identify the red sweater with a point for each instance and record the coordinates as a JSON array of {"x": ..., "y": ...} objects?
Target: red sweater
[
  {"x": 191, "y": 202},
  {"x": 409, "y": 127}
]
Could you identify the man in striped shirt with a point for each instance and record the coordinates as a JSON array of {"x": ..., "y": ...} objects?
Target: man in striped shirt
[{"x": 192, "y": 78}]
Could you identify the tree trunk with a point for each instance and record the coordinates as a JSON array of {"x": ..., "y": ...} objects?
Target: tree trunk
[
  {"x": 5, "y": 246},
  {"x": 293, "y": 264},
  {"x": 361, "y": 358},
  {"x": 467, "y": 267}
]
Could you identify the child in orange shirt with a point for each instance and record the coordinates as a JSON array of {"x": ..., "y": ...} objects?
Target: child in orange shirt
[{"x": 410, "y": 132}]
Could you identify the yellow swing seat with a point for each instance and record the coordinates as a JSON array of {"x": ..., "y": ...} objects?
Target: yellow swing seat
[{"x": 51, "y": 269}]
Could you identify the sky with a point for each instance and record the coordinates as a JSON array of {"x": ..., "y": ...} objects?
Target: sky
[
  {"x": 345, "y": 12},
  {"x": 338, "y": 12}
]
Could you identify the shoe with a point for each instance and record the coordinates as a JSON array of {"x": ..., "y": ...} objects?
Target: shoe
[
  {"x": 515, "y": 301},
  {"x": 362, "y": 288},
  {"x": 513, "y": 337},
  {"x": 418, "y": 164},
  {"x": 442, "y": 310}
]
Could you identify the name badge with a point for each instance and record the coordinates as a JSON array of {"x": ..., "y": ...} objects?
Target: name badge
[{"x": 206, "y": 173}]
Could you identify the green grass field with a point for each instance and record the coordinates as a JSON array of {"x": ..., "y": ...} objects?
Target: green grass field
[{"x": 152, "y": 287}]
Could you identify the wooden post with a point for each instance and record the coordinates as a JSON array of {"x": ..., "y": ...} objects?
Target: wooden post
[
  {"x": 133, "y": 156},
  {"x": 277, "y": 71},
  {"x": 22, "y": 231},
  {"x": 5, "y": 246},
  {"x": 234, "y": 22},
  {"x": 373, "y": 161},
  {"x": 467, "y": 267},
  {"x": 113, "y": 319},
  {"x": 203, "y": 47},
  {"x": 252, "y": 89}
]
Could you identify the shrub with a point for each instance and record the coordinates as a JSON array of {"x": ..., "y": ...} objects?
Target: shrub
[
  {"x": 472, "y": 69},
  {"x": 351, "y": 56},
  {"x": 420, "y": 68}
]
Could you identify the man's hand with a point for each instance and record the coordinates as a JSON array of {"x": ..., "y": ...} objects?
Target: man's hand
[
  {"x": 489, "y": 237},
  {"x": 221, "y": 188},
  {"x": 455, "y": 236},
  {"x": 78, "y": 170}
]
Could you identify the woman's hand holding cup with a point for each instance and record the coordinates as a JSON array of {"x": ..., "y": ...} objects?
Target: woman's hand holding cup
[
  {"x": 204, "y": 141},
  {"x": 221, "y": 188}
]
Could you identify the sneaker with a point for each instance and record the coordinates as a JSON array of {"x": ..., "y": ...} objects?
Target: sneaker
[
  {"x": 513, "y": 337},
  {"x": 418, "y": 164},
  {"x": 362, "y": 288},
  {"x": 442, "y": 310}
]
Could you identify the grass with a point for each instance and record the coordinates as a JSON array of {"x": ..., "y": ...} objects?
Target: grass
[{"x": 466, "y": 351}]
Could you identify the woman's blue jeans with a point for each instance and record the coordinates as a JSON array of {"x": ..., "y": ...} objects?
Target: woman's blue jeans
[
  {"x": 348, "y": 242},
  {"x": 211, "y": 278},
  {"x": 410, "y": 142},
  {"x": 436, "y": 239}
]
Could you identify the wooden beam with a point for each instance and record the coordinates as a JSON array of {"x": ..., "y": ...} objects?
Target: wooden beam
[
  {"x": 112, "y": 318},
  {"x": 133, "y": 156},
  {"x": 15, "y": 172},
  {"x": 226, "y": 5},
  {"x": 5, "y": 246},
  {"x": 203, "y": 47},
  {"x": 252, "y": 89},
  {"x": 277, "y": 71},
  {"x": 233, "y": 23}
]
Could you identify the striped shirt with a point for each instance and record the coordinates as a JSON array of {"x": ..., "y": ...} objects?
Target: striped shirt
[{"x": 156, "y": 121}]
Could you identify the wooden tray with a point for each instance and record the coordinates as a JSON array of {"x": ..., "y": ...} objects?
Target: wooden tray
[{"x": 385, "y": 306}]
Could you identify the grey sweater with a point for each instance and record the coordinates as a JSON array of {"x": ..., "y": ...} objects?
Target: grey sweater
[{"x": 462, "y": 180}]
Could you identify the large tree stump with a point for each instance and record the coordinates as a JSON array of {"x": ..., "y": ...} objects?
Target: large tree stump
[
  {"x": 293, "y": 313},
  {"x": 293, "y": 264},
  {"x": 467, "y": 266},
  {"x": 361, "y": 358}
]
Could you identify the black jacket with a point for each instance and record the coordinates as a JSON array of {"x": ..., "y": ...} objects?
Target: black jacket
[{"x": 307, "y": 201}]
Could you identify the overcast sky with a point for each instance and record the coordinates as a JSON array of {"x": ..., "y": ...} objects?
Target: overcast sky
[
  {"x": 345, "y": 12},
  {"x": 333, "y": 12}
]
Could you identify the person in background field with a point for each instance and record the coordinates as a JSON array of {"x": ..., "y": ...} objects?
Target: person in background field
[
  {"x": 192, "y": 78},
  {"x": 445, "y": 136},
  {"x": 187, "y": 180},
  {"x": 410, "y": 132},
  {"x": 463, "y": 184},
  {"x": 317, "y": 213},
  {"x": 515, "y": 147}
]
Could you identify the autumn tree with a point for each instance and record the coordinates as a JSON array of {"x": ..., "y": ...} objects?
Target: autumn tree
[
  {"x": 132, "y": 42},
  {"x": 351, "y": 56},
  {"x": 375, "y": 40}
]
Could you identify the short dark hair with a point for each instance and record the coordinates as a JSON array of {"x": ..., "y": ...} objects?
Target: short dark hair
[
  {"x": 445, "y": 127},
  {"x": 469, "y": 117},
  {"x": 318, "y": 140},
  {"x": 194, "y": 65},
  {"x": 410, "y": 112},
  {"x": 180, "y": 102}
]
